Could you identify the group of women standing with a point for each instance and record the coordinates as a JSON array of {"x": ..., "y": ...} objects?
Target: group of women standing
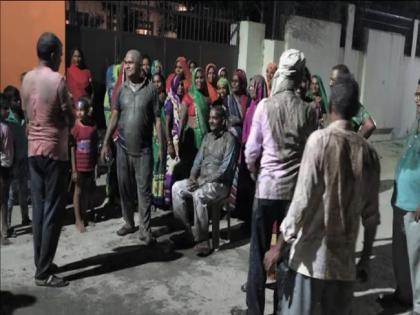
[{"x": 185, "y": 97}]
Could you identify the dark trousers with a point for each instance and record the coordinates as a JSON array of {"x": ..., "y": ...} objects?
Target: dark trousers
[
  {"x": 48, "y": 188},
  {"x": 111, "y": 176},
  {"x": 135, "y": 183},
  {"x": 265, "y": 214}
]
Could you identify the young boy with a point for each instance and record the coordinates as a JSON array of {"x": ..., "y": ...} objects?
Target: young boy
[
  {"x": 6, "y": 163},
  {"x": 19, "y": 183},
  {"x": 83, "y": 160}
]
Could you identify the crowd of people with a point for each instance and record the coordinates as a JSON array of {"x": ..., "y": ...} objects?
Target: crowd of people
[{"x": 291, "y": 162}]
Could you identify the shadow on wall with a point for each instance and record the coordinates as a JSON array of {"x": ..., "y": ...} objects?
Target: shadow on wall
[
  {"x": 9, "y": 302},
  {"x": 304, "y": 31}
]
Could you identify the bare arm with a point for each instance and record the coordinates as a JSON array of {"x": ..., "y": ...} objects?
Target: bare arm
[
  {"x": 367, "y": 128},
  {"x": 109, "y": 132},
  {"x": 66, "y": 104}
]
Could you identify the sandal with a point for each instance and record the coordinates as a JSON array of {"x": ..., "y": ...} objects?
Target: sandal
[
  {"x": 203, "y": 249},
  {"x": 52, "y": 281}
]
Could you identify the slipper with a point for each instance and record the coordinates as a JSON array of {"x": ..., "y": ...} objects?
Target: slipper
[
  {"x": 52, "y": 281},
  {"x": 203, "y": 249}
]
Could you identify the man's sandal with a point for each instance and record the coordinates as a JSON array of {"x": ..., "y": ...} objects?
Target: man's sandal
[{"x": 52, "y": 281}]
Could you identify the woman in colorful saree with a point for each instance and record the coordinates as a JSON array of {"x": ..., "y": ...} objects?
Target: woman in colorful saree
[
  {"x": 211, "y": 80},
  {"x": 172, "y": 110},
  {"x": 320, "y": 99},
  {"x": 194, "y": 117},
  {"x": 238, "y": 102},
  {"x": 243, "y": 184},
  {"x": 181, "y": 67},
  {"x": 159, "y": 165}
]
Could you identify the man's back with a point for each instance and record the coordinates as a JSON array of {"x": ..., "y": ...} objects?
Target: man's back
[
  {"x": 47, "y": 129},
  {"x": 280, "y": 128},
  {"x": 338, "y": 183}
]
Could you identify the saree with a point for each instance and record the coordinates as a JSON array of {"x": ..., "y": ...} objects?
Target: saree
[
  {"x": 159, "y": 166},
  {"x": 260, "y": 87},
  {"x": 186, "y": 72},
  {"x": 172, "y": 109},
  {"x": 201, "y": 111},
  {"x": 212, "y": 90}
]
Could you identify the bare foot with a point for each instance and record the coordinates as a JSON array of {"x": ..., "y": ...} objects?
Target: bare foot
[{"x": 81, "y": 227}]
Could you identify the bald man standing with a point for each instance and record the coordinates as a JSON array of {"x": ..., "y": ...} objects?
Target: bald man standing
[{"x": 136, "y": 110}]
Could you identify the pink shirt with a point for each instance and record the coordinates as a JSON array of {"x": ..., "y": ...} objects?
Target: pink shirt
[
  {"x": 47, "y": 129},
  {"x": 261, "y": 145}
]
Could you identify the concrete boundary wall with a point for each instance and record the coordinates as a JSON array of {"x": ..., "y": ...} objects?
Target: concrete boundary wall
[{"x": 387, "y": 78}]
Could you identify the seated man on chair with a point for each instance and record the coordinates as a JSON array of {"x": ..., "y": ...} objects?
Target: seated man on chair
[{"x": 209, "y": 182}]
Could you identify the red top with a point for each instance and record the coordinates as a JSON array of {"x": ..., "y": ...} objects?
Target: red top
[
  {"x": 189, "y": 102},
  {"x": 78, "y": 81},
  {"x": 85, "y": 142}
]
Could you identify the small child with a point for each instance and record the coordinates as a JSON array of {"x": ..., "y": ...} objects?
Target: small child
[
  {"x": 19, "y": 185},
  {"x": 6, "y": 163},
  {"x": 83, "y": 160}
]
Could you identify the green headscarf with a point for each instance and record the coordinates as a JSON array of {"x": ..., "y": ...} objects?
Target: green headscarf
[
  {"x": 201, "y": 110},
  {"x": 224, "y": 82},
  {"x": 322, "y": 92}
]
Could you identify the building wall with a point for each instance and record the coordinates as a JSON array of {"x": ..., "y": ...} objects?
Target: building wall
[
  {"x": 382, "y": 72},
  {"x": 318, "y": 40},
  {"x": 22, "y": 22},
  {"x": 387, "y": 78},
  {"x": 272, "y": 52},
  {"x": 251, "y": 45}
]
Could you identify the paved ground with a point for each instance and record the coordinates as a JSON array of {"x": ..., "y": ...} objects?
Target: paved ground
[{"x": 113, "y": 275}]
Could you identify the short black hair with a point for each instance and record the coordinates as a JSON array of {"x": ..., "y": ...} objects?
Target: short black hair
[
  {"x": 341, "y": 68},
  {"x": 83, "y": 103},
  {"x": 146, "y": 57},
  {"x": 345, "y": 96},
  {"x": 4, "y": 102},
  {"x": 220, "y": 109},
  {"x": 47, "y": 44},
  {"x": 11, "y": 93}
]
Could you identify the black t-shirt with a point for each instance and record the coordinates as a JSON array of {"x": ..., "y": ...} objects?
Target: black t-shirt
[{"x": 138, "y": 110}]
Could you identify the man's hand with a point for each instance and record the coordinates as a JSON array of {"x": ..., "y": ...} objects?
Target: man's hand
[
  {"x": 171, "y": 150},
  {"x": 74, "y": 176},
  {"x": 105, "y": 152},
  {"x": 271, "y": 258},
  {"x": 417, "y": 215},
  {"x": 362, "y": 270},
  {"x": 192, "y": 184}
]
